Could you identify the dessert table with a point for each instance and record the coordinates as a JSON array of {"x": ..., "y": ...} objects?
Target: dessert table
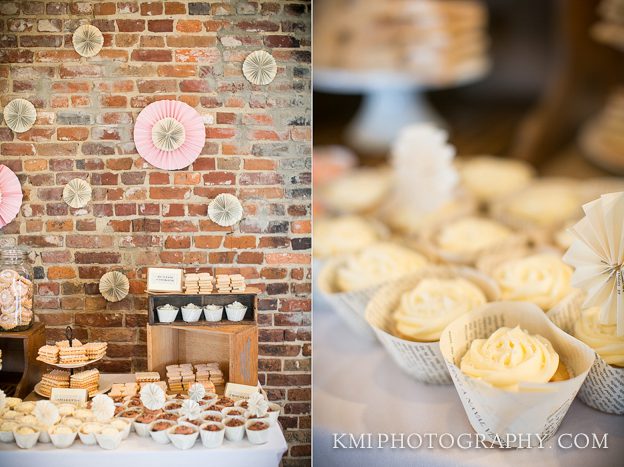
[
  {"x": 360, "y": 390},
  {"x": 136, "y": 451}
]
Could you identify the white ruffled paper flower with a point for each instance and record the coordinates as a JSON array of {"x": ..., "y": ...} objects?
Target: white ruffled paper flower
[
  {"x": 46, "y": 412},
  {"x": 197, "y": 391},
  {"x": 103, "y": 407},
  {"x": 153, "y": 397},
  {"x": 425, "y": 176},
  {"x": 2, "y": 399},
  {"x": 190, "y": 409},
  {"x": 257, "y": 405}
]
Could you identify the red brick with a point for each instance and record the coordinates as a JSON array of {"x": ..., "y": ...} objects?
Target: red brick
[
  {"x": 177, "y": 71},
  {"x": 185, "y": 25},
  {"x": 142, "y": 55},
  {"x": 160, "y": 25},
  {"x": 72, "y": 134},
  {"x": 130, "y": 25},
  {"x": 151, "y": 8}
]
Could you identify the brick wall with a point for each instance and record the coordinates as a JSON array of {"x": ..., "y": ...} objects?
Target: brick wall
[{"x": 258, "y": 147}]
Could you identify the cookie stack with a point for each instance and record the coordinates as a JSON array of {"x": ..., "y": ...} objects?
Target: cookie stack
[
  {"x": 54, "y": 379},
  {"x": 123, "y": 389},
  {"x": 191, "y": 283},
  {"x": 205, "y": 282},
  {"x": 223, "y": 283},
  {"x": 209, "y": 372},
  {"x": 88, "y": 379},
  {"x": 72, "y": 355},
  {"x": 48, "y": 354},
  {"x": 237, "y": 283},
  {"x": 95, "y": 350},
  {"x": 147, "y": 377}
]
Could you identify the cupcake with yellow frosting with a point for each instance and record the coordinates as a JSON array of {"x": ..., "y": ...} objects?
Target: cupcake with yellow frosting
[
  {"x": 408, "y": 315},
  {"x": 515, "y": 371},
  {"x": 604, "y": 386},
  {"x": 489, "y": 178},
  {"x": 343, "y": 235},
  {"x": 348, "y": 282},
  {"x": 464, "y": 240},
  {"x": 541, "y": 278}
]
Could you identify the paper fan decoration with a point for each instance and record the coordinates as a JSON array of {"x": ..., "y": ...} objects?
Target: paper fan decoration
[
  {"x": 77, "y": 193},
  {"x": 597, "y": 254},
  {"x": 259, "y": 67},
  {"x": 257, "y": 405},
  {"x": 114, "y": 286},
  {"x": 88, "y": 40},
  {"x": 190, "y": 409},
  {"x": 46, "y": 413},
  {"x": 103, "y": 408},
  {"x": 225, "y": 210},
  {"x": 197, "y": 391},
  {"x": 20, "y": 115},
  {"x": 153, "y": 397},
  {"x": 169, "y": 134},
  {"x": 422, "y": 161},
  {"x": 10, "y": 195}
]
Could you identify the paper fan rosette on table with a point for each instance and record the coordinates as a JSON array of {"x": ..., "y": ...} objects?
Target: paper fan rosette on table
[
  {"x": 10, "y": 195},
  {"x": 597, "y": 254},
  {"x": 169, "y": 134}
]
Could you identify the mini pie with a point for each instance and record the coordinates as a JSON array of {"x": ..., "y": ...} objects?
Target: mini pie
[
  {"x": 425, "y": 310},
  {"x": 600, "y": 337},
  {"x": 470, "y": 235},
  {"x": 511, "y": 356},
  {"x": 376, "y": 264},
  {"x": 543, "y": 279}
]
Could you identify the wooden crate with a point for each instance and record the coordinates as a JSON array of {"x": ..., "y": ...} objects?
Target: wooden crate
[
  {"x": 249, "y": 298},
  {"x": 20, "y": 368},
  {"x": 234, "y": 346}
]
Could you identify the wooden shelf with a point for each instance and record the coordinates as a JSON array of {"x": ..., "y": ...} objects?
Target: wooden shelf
[
  {"x": 20, "y": 368},
  {"x": 249, "y": 298},
  {"x": 234, "y": 346}
]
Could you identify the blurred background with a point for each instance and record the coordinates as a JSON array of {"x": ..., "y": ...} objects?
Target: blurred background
[{"x": 539, "y": 80}]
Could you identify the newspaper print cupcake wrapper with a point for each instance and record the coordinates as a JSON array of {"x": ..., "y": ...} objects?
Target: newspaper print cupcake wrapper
[
  {"x": 422, "y": 361},
  {"x": 536, "y": 409},
  {"x": 349, "y": 306},
  {"x": 603, "y": 389}
]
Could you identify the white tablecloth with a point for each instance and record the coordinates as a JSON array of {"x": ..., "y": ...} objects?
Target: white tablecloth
[
  {"x": 137, "y": 452},
  {"x": 358, "y": 389}
]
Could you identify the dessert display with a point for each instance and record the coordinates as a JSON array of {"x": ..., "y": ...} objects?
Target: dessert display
[
  {"x": 428, "y": 308},
  {"x": 54, "y": 379},
  {"x": 511, "y": 356},
  {"x": 230, "y": 283},
  {"x": 63, "y": 354},
  {"x": 181, "y": 377},
  {"x": 235, "y": 311},
  {"x": 198, "y": 283},
  {"x": 600, "y": 337},
  {"x": 88, "y": 379},
  {"x": 543, "y": 279}
]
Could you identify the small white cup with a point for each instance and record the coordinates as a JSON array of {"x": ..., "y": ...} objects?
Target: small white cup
[
  {"x": 212, "y": 439},
  {"x": 26, "y": 441},
  {"x": 213, "y": 314},
  {"x": 161, "y": 436},
  {"x": 234, "y": 433},
  {"x": 183, "y": 441},
  {"x": 257, "y": 436},
  {"x": 191, "y": 315},
  {"x": 165, "y": 315},
  {"x": 235, "y": 313}
]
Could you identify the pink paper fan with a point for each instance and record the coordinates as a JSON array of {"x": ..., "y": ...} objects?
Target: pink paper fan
[
  {"x": 10, "y": 195},
  {"x": 182, "y": 131}
]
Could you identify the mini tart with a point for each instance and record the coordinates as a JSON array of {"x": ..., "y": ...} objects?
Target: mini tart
[
  {"x": 374, "y": 265},
  {"x": 602, "y": 338},
  {"x": 343, "y": 235},
  {"x": 511, "y": 356},
  {"x": 358, "y": 192},
  {"x": 488, "y": 178}
]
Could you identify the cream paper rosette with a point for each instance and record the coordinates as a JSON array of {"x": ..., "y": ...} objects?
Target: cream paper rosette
[
  {"x": 421, "y": 360},
  {"x": 466, "y": 239},
  {"x": 350, "y": 304},
  {"x": 603, "y": 389},
  {"x": 535, "y": 409}
]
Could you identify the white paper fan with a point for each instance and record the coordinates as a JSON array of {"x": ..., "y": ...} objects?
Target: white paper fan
[
  {"x": 114, "y": 286},
  {"x": 259, "y": 67},
  {"x": 77, "y": 193},
  {"x": 168, "y": 134},
  {"x": 257, "y": 405},
  {"x": 225, "y": 210},
  {"x": 597, "y": 254},
  {"x": 46, "y": 413},
  {"x": 153, "y": 397},
  {"x": 20, "y": 115},
  {"x": 197, "y": 391},
  {"x": 88, "y": 40},
  {"x": 425, "y": 176},
  {"x": 103, "y": 408},
  {"x": 190, "y": 409}
]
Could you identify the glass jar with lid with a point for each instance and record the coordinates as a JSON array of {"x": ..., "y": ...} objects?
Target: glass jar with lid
[{"x": 16, "y": 290}]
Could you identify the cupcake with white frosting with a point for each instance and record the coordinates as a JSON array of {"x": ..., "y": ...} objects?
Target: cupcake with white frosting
[
  {"x": 600, "y": 337},
  {"x": 343, "y": 235}
]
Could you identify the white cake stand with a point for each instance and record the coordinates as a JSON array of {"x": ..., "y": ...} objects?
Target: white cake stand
[{"x": 391, "y": 100}]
